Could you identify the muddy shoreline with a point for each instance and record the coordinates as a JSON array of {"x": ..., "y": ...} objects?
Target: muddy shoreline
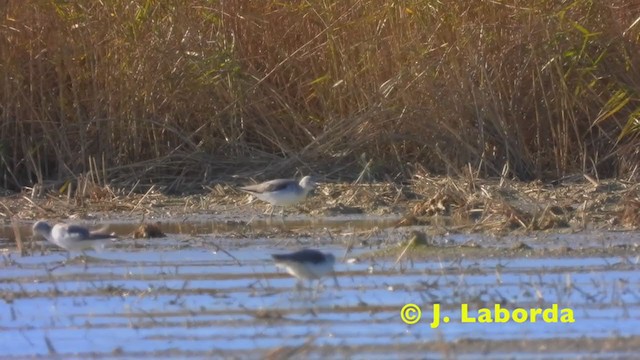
[{"x": 479, "y": 206}]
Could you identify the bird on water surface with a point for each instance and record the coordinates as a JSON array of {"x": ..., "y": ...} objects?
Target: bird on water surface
[
  {"x": 281, "y": 192},
  {"x": 307, "y": 264},
  {"x": 73, "y": 237}
]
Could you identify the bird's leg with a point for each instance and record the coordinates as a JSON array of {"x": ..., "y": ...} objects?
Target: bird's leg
[
  {"x": 84, "y": 260},
  {"x": 283, "y": 215},
  {"x": 63, "y": 262},
  {"x": 302, "y": 291},
  {"x": 271, "y": 211},
  {"x": 314, "y": 290},
  {"x": 335, "y": 280}
]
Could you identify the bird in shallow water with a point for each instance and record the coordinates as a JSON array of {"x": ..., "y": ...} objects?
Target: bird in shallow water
[
  {"x": 307, "y": 264},
  {"x": 281, "y": 192},
  {"x": 73, "y": 237}
]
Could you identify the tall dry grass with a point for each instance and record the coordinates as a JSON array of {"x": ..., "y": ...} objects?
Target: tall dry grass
[{"x": 183, "y": 92}]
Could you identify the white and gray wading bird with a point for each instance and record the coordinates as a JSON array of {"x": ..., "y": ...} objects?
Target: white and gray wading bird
[
  {"x": 73, "y": 237},
  {"x": 281, "y": 192},
  {"x": 307, "y": 264}
]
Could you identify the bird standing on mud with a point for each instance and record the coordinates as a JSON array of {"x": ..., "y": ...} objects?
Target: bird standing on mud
[
  {"x": 307, "y": 264},
  {"x": 281, "y": 192},
  {"x": 73, "y": 237}
]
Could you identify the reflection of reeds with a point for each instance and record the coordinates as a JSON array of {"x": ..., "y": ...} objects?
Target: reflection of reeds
[
  {"x": 18, "y": 237},
  {"x": 179, "y": 97}
]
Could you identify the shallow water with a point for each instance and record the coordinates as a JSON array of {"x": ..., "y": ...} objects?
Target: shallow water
[
  {"x": 208, "y": 224},
  {"x": 209, "y": 292}
]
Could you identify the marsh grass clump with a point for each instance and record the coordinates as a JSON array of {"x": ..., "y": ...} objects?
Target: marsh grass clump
[
  {"x": 357, "y": 198},
  {"x": 148, "y": 230},
  {"x": 629, "y": 214},
  {"x": 474, "y": 205},
  {"x": 178, "y": 95}
]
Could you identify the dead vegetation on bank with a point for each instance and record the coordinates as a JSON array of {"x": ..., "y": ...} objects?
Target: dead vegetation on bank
[
  {"x": 501, "y": 206},
  {"x": 451, "y": 205},
  {"x": 179, "y": 94}
]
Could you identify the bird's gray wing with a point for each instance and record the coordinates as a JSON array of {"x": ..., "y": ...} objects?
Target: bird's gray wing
[
  {"x": 306, "y": 255},
  {"x": 102, "y": 233},
  {"x": 81, "y": 233},
  {"x": 78, "y": 232},
  {"x": 95, "y": 235},
  {"x": 269, "y": 186}
]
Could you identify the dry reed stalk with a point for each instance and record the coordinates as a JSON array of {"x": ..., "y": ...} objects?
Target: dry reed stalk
[
  {"x": 151, "y": 189},
  {"x": 518, "y": 92},
  {"x": 34, "y": 204}
]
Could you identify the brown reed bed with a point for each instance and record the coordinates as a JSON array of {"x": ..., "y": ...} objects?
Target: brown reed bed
[{"x": 181, "y": 94}]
